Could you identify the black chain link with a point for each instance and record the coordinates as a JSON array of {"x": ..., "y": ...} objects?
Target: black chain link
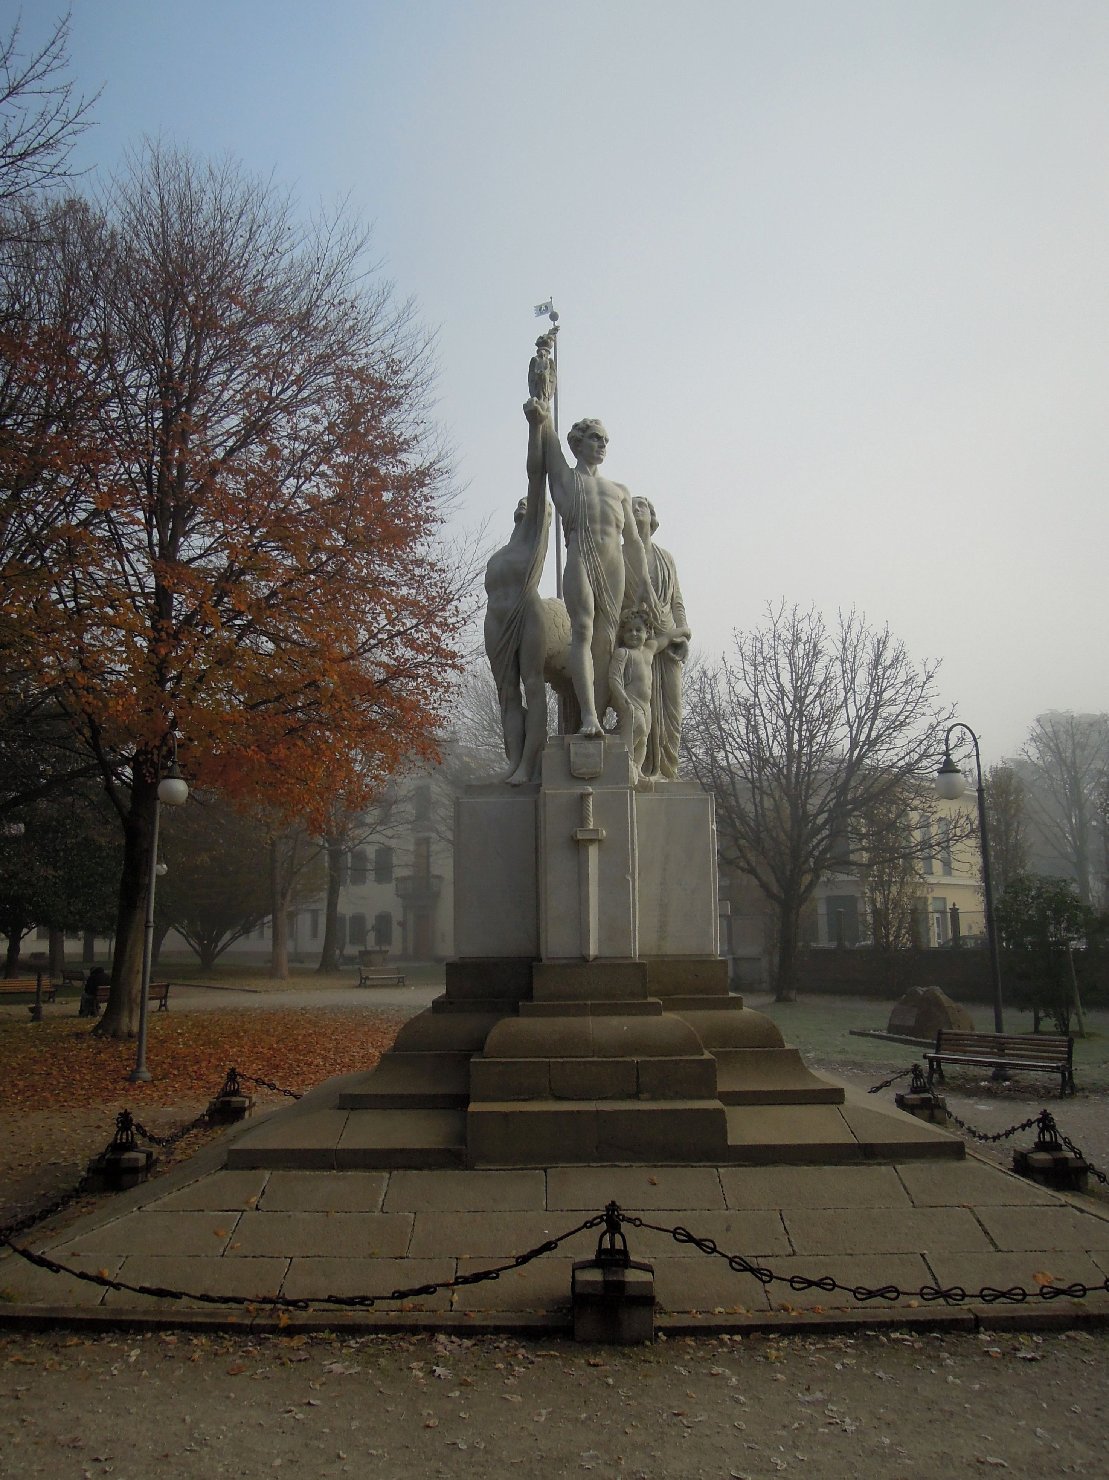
[
  {"x": 988, "y": 1137},
  {"x": 173, "y": 1137},
  {"x": 885, "y": 1084},
  {"x": 928, "y": 1294},
  {"x": 284, "y": 1302},
  {"x": 269, "y": 1084}
]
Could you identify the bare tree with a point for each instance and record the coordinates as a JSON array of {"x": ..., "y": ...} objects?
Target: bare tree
[
  {"x": 800, "y": 735},
  {"x": 1008, "y": 828},
  {"x": 1068, "y": 759},
  {"x": 40, "y": 115}
]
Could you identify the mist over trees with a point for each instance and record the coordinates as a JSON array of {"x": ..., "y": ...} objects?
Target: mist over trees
[
  {"x": 1064, "y": 766},
  {"x": 819, "y": 744}
]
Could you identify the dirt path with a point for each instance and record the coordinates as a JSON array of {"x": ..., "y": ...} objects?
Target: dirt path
[{"x": 881, "y": 1407}]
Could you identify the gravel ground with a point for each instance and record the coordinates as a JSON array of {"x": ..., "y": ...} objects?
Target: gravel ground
[{"x": 895, "y": 1406}]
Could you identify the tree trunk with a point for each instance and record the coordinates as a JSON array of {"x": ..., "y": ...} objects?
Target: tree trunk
[
  {"x": 88, "y": 948},
  {"x": 56, "y": 955},
  {"x": 279, "y": 925},
  {"x": 15, "y": 940},
  {"x": 789, "y": 929},
  {"x": 121, "y": 1016},
  {"x": 329, "y": 955}
]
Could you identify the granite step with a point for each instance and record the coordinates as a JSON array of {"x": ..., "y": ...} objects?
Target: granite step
[{"x": 401, "y": 1081}]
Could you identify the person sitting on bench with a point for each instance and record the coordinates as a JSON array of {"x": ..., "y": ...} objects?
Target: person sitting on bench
[{"x": 96, "y": 978}]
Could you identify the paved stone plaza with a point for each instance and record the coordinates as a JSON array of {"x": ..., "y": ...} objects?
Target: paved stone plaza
[{"x": 306, "y": 1234}]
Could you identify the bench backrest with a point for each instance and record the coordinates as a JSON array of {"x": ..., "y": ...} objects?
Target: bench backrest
[
  {"x": 1050, "y": 1047},
  {"x": 157, "y": 989}
]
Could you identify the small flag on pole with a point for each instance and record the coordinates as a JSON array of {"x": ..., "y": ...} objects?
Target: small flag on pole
[{"x": 544, "y": 307}]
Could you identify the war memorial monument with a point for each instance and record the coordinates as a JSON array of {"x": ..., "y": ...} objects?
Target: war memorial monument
[
  {"x": 587, "y": 1017},
  {"x": 586, "y": 1051}
]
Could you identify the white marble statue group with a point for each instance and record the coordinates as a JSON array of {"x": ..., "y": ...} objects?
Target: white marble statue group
[{"x": 619, "y": 639}]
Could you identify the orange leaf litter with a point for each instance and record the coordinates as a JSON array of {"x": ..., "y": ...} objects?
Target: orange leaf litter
[{"x": 60, "y": 1065}]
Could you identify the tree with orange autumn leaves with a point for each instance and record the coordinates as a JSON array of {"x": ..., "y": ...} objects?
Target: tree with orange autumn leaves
[{"x": 244, "y": 498}]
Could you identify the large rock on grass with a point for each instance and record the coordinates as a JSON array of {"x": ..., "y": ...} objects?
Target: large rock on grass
[{"x": 923, "y": 1010}]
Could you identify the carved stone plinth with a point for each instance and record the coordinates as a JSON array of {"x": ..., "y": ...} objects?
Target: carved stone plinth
[{"x": 588, "y": 1017}]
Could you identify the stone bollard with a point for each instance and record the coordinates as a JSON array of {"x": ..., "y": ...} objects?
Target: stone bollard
[
  {"x": 1049, "y": 1163},
  {"x": 613, "y": 1297},
  {"x": 122, "y": 1163},
  {"x": 921, "y": 1100},
  {"x": 232, "y": 1103}
]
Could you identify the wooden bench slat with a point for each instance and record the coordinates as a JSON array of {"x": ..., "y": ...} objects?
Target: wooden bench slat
[
  {"x": 381, "y": 978},
  {"x": 1031, "y": 1052}
]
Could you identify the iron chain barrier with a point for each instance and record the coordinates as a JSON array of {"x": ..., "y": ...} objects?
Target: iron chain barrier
[
  {"x": 612, "y": 1219},
  {"x": 1044, "y": 1121}
]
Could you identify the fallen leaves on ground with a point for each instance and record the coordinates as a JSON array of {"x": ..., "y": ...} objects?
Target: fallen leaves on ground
[{"x": 57, "y": 1065}]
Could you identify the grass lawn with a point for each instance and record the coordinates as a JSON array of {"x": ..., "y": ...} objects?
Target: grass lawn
[{"x": 821, "y": 1028}]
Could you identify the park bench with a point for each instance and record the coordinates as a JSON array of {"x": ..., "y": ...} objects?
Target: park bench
[
  {"x": 368, "y": 978},
  {"x": 10, "y": 986},
  {"x": 1034, "y": 1052},
  {"x": 158, "y": 992}
]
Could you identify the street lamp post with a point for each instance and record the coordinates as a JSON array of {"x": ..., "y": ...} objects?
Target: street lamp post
[
  {"x": 173, "y": 790},
  {"x": 951, "y": 784}
]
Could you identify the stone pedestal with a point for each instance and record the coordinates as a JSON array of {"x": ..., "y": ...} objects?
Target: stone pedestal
[{"x": 588, "y": 1017}]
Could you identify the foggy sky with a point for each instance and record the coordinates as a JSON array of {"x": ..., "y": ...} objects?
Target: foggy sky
[{"x": 833, "y": 274}]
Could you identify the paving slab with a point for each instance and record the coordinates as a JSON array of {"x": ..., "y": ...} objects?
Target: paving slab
[
  {"x": 497, "y": 1235},
  {"x": 894, "y": 1231},
  {"x": 321, "y": 1192},
  {"x": 590, "y": 1188},
  {"x": 445, "y": 1190},
  {"x": 1044, "y": 1228},
  {"x": 813, "y": 1187},
  {"x": 312, "y": 1279},
  {"x": 220, "y": 1191},
  {"x": 346, "y": 1235},
  {"x": 26, "y": 1283},
  {"x": 897, "y": 1134},
  {"x": 148, "y": 1231},
  {"x": 701, "y": 1283},
  {"x": 245, "y": 1278},
  {"x": 1029, "y": 1270},
  {"x": 543, "y": 1285},
  {"x": 768, "y": 1134},
  {"x": 970, "y": 1183}
]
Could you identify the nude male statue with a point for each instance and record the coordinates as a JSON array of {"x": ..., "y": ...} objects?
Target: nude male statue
[
  {"x": 664, "y": 740},
  {"x": 605, "y": 563}
]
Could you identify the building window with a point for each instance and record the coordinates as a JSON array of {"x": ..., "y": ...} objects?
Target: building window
[
  {"x": 42, "y": 933},
  {"x": 358, "y": 930},
  {"x": 843, "y": 919},
  {"x": 927, "y": 860},
  {"x": 383, "y": 865},
  {"x": 943, "y": 827},
  {"x": 942, "y": 931},
  {"x": 383, "y": 929},
  {"x": 421, "y": 803},
  {"x": 421, "y": 859},
  {"x": 358, "y": 866}
]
